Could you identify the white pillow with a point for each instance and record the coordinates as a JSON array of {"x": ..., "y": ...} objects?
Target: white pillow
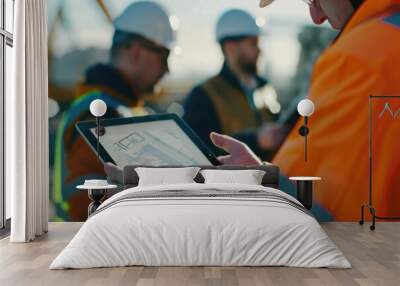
[
  {"x": 165, "y": 176},
  {"x": 247, "y": 177}
]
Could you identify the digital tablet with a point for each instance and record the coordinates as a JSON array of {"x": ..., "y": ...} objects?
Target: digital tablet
[{"x": 152, "y": 140}]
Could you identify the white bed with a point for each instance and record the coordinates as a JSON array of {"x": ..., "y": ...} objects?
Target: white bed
[{"x": 207, "y": 230}]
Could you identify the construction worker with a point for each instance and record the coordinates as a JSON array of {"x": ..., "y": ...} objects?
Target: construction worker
[
  {"x": 364, "y": 60},
  {"x": 138, "y": 60},
  {"x": 235, "y": 101}
]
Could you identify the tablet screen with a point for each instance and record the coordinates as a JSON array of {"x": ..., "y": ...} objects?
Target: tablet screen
[{"x": 153, "y": 143}]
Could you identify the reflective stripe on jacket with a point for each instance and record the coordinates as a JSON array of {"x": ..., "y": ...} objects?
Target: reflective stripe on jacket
[{"x": 61, "y": 191}]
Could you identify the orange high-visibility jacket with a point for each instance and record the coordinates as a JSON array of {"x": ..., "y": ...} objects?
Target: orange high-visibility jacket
[{"x": 364, "y": 61}]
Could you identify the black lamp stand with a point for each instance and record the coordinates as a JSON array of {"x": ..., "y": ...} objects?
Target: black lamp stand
[
  {"x": 100, "y": 131},
  {"x": 303, "y": 131},
  {"x": 369, "y": 205}
]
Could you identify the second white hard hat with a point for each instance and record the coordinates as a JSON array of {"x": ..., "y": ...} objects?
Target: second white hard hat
[
  {"x": 236, "y": 23},
  {"x": 149, "y": 20}
]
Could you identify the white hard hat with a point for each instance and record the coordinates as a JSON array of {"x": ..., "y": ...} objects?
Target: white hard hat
[
  {"x": 147, "y": 19},
  {"x": 236, "y": 23},
  {"x": 264, "y": 3}
]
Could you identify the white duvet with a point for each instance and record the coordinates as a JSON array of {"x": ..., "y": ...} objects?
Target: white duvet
[{"x": 200, "y": 231}]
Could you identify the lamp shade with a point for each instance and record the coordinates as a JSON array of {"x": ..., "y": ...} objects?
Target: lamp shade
[
  {"x": 305, "y": 107},
  {"x": 98, "y": 107}
]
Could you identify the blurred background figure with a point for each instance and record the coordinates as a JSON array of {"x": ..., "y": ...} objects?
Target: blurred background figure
[
  {"x": 138, "y": 60},
  {"x": 237, "y": 101},
  {"x": 81, "y": 33}
]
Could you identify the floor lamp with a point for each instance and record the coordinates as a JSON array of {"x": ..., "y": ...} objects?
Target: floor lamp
[{"x": 369, "y": 205}]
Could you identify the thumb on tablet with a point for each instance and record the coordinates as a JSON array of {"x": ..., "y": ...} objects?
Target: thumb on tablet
[
  {"x": 224, "y": 142},
  {"x": 239, "y": 152}
]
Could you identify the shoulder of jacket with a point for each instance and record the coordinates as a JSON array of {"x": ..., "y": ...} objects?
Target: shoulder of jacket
[{"x": 373, "y": 43}]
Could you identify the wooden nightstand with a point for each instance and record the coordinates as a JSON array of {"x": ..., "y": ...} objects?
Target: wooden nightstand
[{"x": 305, "y": 190}]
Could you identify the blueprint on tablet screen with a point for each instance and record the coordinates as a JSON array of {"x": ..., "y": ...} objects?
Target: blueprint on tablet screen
[{"x": 151, "y": 143}]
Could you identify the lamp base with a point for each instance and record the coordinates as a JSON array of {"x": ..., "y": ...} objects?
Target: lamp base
[
  {"x": 305, "y": 193},
  {"x": 374, "y": 216}
]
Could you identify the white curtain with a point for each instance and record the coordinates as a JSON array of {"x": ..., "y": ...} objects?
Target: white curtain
[{"x": 27, "y": 124}]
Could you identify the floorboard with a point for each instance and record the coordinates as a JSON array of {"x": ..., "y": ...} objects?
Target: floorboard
[{"x": 375, "y": 257}]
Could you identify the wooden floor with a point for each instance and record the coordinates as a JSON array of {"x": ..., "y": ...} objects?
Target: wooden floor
[{"x": 375, "y": 257}]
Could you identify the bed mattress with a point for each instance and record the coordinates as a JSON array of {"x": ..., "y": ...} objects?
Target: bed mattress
[{"x": 201, "y": 225}]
